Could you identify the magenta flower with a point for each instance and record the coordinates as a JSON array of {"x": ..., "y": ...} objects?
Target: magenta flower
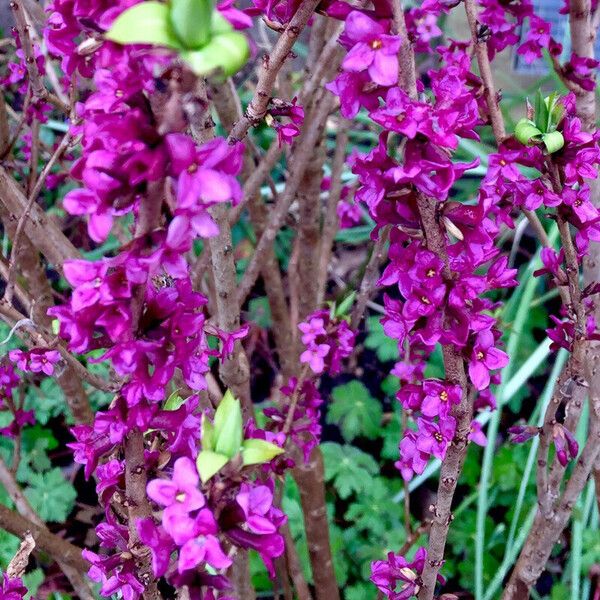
[
  {"x": 256, "y": 503},
  {"x": 12, "y": 588},
  {"x": 439, "y": 398},
  {"x": 433, "y": 438},
  {"x": 412, "y": 460},
  {"x": 399, "y": 579},
  {"x": 315, "y": 357},
  {"x": 181, "y": 491},
  {"x": 485, "y": 358},
  {"x": 160, "y": 543},
  {"x": 372, "y": 49},
  {"x": 476, "y": 434},
  {"x": 202, "y": 549}
]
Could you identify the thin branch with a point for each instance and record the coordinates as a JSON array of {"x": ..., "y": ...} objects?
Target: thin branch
[
  {"x": 39, "y": 227},
  {"x": 485, "y": 70},
  {"x": 270, "y": 67},
  {"x": 38, "y": 88},
  {"x": 302, "y": 156},
  {"x": 8, "y": 292},
  {"x": 370, "y": 277},
  {"x": 26, "y": 521},
  {"x": 331, "y": 221}
]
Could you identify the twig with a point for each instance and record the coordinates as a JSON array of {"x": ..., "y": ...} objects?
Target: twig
[
  {"x": 270, "y": 66},
  {"x": 26, "y": 521},
  {"x": 229, "y": 109},
  {"x": 138, "y": 506},
  {"x": 294, "y": 566},
  {"x": 39, "y": 227},
  {"x": 8, "y": 292},
  {"x": 485, "y": 70},
  {"x": 302, "y": 157},
  {"x": 330, "y": 225},
  {"x": 38, "y": 88},
  {"x": 406, "y": 55},
  {"x": 370, "y": 277}
]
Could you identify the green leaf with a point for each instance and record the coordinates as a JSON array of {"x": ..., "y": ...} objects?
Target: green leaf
[
  {"x": 47, "y": 400},
  {"x": 219, "y": 24},
  {"x": 8, "y": 546},
  {"x": 391, "y": 435},
  {"x": 541, "y": 112},
  {"x": 553, "y": 141},
  {"x": 258, "y": 452},
  {"x": 207, "y": 433},
  {"x": 208, "y": 463},
  {"x": 224, "y": 55},
  {"x": 174, "y": 401},
  {"x": 349, "y": 469},
  {"x": 375, "y": 511},
  {"x": 228, "y": 426},
  {"x": 32, "y": 581},
  {"x": 345, "y": 305},
  {"x": 526, "y": 132},
  {"x": 354, "y": 411},
  {"x": 191, "y": 20},
  {"x": 558, "y": 112},
  {"x": 385, "y": 347},
  {"x": 360, "y": 591},
  {"x": 145, "y": 23},
  {"x": 259, "y": 311},
  {"x": 51, "y": 495}
]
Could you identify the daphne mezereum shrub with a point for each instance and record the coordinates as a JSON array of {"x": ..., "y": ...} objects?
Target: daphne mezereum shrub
[{"x": 298, "y": 302}]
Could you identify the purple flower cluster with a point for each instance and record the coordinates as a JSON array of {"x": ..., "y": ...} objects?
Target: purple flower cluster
[
  {"x": 305, "y": 428},
  {"x": 328, "y": 341},
  {"x": 197, "y": 526},
  {"x": 36, "y": 360},
  {"x": 12, "y": 588},
  {"x": 441, "y": 298},
  {"x": 576, "y": 162},
  {"x": 398, "y": 578},
  {"x": 138, "y": 307}
]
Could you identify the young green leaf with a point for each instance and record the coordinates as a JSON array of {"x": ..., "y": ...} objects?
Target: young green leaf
[
  {"x": 354, "y": 411},
  {"x": 208, "y": 463},
  {"x": 228, "y": 426},
  {"x": 145, "y": 23},
  {"x": 174, "y": 401},
  {"x": 223, "y": 56},
  {"x": 526, "y": 132},
  {"x": 192, "y": 20},
  {"x": 207, "y": 434},
  {"x": 553, "y": 141},
  {"x": 258, "y": 452},
  {"x": 541, "y": 112},
  {"x": 345, "y": 305},
  {"x": 385, "y": 347}
]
